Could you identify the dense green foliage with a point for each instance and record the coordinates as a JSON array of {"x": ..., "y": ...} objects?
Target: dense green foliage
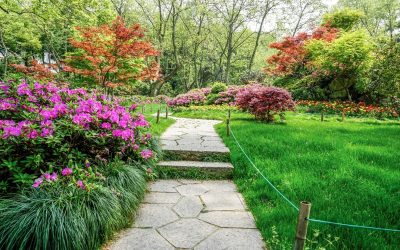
[{"x": 339, "y": 60}]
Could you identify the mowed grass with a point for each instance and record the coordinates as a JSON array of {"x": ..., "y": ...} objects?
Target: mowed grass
[
  {"x": 156, "y": 128},
  {"x": 349, "y": 171}
]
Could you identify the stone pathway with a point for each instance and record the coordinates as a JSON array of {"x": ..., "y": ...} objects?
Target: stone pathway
[
  {"x": 193, "y": 135},
  {"x": 192, "y": 214}
]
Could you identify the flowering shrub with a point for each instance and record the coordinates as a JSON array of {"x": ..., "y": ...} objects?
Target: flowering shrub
[
  {"x": 228, "y": 96},
  {"x": 349, "y": 108},
  {"x": 193, "y": 97},
  {"x": 50, "y": 131},
  {"x": 264, "y": 102}
]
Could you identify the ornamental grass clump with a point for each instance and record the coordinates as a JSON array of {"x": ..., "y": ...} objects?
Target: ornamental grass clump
[
  {"x": 71, "y": 217},
  {"x": 264, "y": 102}
]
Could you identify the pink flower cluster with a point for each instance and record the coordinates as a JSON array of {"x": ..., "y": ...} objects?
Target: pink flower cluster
[
  {"x": 45, "y": 177},
  {"x": 195, "y": 96},
  {"x": 146, "y": 154},
  {"x": 54, "y": 177},
  {"x": 46, "y": 104},
  {"x": 228, "y": 96}
]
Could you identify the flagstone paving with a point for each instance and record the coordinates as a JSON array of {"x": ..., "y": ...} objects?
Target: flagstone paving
[
  {"x": 193, "y": 135},
  {"x": 187, "y": 214},
  {"x": 192, "y": 214}
]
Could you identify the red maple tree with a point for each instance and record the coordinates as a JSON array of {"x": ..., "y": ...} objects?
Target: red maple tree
[
  {"x": 113, "y": 54},
  {"x": 291, "y": 53}
]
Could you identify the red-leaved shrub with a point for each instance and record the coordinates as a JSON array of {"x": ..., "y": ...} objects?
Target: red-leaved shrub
[{"x": 264, "y": 102}]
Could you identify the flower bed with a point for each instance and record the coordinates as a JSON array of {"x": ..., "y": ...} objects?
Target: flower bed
[
  {"x": 349, "y": 108},
  {"x": 44, "y": 127},
  {"x": 73, "y": 166}
]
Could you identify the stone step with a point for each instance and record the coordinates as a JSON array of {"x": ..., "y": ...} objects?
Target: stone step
[
  {"x": 220, "y": 168},
  {"x": 196, "y": 154},
  {"x": 193, "y": 140}
]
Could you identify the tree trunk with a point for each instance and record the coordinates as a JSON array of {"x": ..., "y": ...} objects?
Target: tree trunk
[
  {"x": 267, "y": 9},
  {"x": 5, "y": 54},
  {"x": 229, "y": 53}
]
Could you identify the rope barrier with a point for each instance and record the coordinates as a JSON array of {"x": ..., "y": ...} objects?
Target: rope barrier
[
  {"x": 295, "y": 207},
  {"x": 266, "y": 179},
  {"x": 353, "y": 226}
]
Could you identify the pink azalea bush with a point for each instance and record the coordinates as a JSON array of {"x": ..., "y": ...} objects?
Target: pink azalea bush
[
  {"x": 228, "y": 96},
  {"x": 193, "y": 97},
  {"x": 44, "y": 127},
  {"x": 264, "y": 102}
]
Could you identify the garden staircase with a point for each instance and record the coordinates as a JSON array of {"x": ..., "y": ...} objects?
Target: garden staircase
[
  {"x": 192, "y": 213},
  {"x": 193, "y": 144}
]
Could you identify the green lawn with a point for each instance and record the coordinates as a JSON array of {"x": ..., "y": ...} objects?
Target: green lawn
[
  {"x": 156, "y": 128},
  {"x": 350, "y": 171}
]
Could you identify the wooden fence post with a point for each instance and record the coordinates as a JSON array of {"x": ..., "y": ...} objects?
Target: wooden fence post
[
  {"x": 343, "y": 115},
  {"x": 228, "y": 130},
  {"x": 322, "y": 116},
  {"x": 158, "y": 115},
  {"x": 166, "y": 112},
  {"x": 302, "y": 224}
]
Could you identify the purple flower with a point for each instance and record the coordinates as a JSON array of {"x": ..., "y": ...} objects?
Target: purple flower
[
  {"x": 23, "y": 89},
  {"x": 146, "y": 154},
  {"x": 12, "y": 131},
  {"x": 82, "y": 119},
  {"x": 66, "y": 172},
  {"x": 135, "y": 147},
  {"x": 48, "y": 114},
  {"x": 114, "y": 117},
  {"x": 47, "y": 176},
  {"x": 33, "y": 134},
  {"x": 46, "y": 132},
  {"x": 106, "y": 125},
  {"x": 53, "y": 176},
  {"x": 37, "y": 183},
  {"x": 87, "y": 163},
  {"x": 80, "y": 184}
]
